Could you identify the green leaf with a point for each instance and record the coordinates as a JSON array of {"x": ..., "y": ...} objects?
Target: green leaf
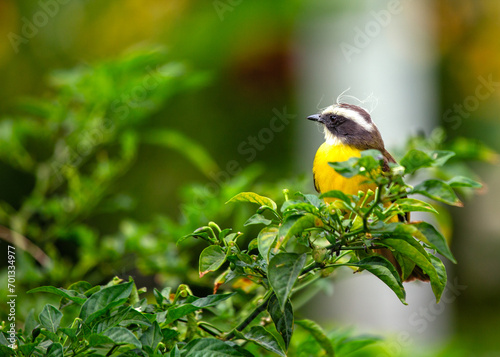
[
  {"x": 152, "y": 336},
  {"x": 55, "y": 350},
  {"x": 370, "y": 161},
  {"x": 68, "y": 294},
  {"x": 105, "y": 300},
  {"x": 260, "y": 336},
  {"x": 283, "y": 271},
  {"x": 291, "y": 207},
  {"x": 319, "y": 335},
  {"x": 30, "y": 323},
  {"x": 297, "y": 227},
  {"x": 8, "y": 352},
  {"x": 435, "y": 239},
  {"x": 28, "y": 348},
  {"x": 210, "y": 347},
  {"x": 437, "y": 190},
  {"x": 169, "y": 334},
  {"x": 336, "y": 194},
  {"x": 440, "y": 157},
  {"x": 240, "y": 349},
  {"x": 211, "y": 259},
  {"x": 373, "y": 154},
  {"x": 288, "y": 203},
  {"x": 312, "y": 199},
  {"x": 414, "y": 205},
  {"x": 462, "y": 181},
  {"x": 410, "y": 248},
  {"x": 50, "y": 335},
  {"x": 254, "y": 198},
  {"x": 50, "y": 318},
  {"x": 265, "y": 239},
  {"x": 160, "y": 297},
  {"x": 414, "y": 160},
  {"x": 95, "y": 340},
  {"x": 211, "y": 300},
  {"x": 254, "y": 244},
  {"x": 70, "y": 332},
  {"x": 175, "y": 352},
  {"x": 80, "y": 286},
  {"x": 132, "y": 316},
  {"x": 406, "y": 265},
  {"x": 3, "y": 340},
  {"x": 283, "y": 320},
  {"x": 283, "y": 230},
  {"x": 258, "y": 219},
  {"x": 177, "y": 312},
  {"x": 122, "y": 336},
  {"x": 224, "y": 234},
  {"x": 440, "y": 269},
  {"x": 385, "y": 271},
  {"x": 352, "y": 344}
]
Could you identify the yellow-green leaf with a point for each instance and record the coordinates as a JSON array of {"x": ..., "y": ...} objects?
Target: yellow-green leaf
[
  {"x": 211, "y": 259},
  {"x": 254, "y": 198}
]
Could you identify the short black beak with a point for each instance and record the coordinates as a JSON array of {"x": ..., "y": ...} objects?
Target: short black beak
[{"x": 315, "y": 117}]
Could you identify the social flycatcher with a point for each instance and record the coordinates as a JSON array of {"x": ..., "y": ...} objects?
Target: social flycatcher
[{"x": 349, "y": 130}]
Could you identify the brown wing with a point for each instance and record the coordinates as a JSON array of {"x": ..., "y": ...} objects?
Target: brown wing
[{"x": 387, "y": 158}]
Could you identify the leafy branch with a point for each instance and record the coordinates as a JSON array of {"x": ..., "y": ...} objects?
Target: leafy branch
[{"x": 302, "y": 241}]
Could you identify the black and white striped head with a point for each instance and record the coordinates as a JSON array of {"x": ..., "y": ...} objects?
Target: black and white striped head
[{"x": 351, "y": 125}]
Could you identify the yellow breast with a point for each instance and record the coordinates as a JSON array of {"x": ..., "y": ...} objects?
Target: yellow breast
[{"x": 327, "y": 179}]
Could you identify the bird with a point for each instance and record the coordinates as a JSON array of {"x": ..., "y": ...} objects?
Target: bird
[{"x": 348, "y": 131}]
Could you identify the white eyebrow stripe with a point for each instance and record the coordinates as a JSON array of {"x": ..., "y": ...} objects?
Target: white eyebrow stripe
[{"x": 350, "y": 114}]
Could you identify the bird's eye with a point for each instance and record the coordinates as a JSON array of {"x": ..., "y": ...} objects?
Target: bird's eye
[{"x": 337, "y": 119}]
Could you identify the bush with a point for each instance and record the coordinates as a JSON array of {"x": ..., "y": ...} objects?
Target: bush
[{"x": 303, "y": 241}]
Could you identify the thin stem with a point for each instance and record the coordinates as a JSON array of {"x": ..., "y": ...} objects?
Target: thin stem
[
  {"x": 251, "y": 317},
  {"x": 353, "y": 233},
  {"x": 365, "y": 198},
  {"x": 110, "y": 352},
  {"x": 200, "y": 325},
  {"x": 73, "y": 325},
  {"x": 332, "y": 246},
  {"x": 370, "y": 210},
  {"x": 273, "y": 212},
  {"x": 311, "y": 267},
  {"x": 219, "y": 331}
]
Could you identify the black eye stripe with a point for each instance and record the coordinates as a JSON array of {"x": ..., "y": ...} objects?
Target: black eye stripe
[{"x": 337, "y": 118}]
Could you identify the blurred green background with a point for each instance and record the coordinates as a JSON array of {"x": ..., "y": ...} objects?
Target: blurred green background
[{"x": 127, "y": 124}]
